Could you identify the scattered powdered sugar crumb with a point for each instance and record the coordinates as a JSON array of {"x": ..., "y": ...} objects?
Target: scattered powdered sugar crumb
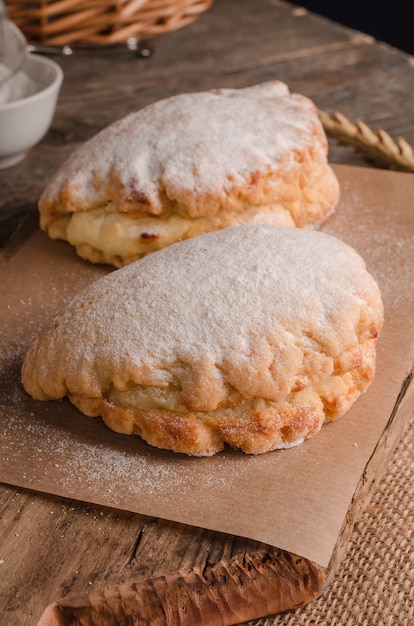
[
  {"x": 73, "y": 464},
  {"x": 68, "y": 459},
  {"x": 385, "y": 243}
]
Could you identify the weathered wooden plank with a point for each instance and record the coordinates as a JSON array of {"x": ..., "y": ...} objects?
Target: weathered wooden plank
[
  {"x": 228, "y": 593},
  {"x": 55, "y": 547}
]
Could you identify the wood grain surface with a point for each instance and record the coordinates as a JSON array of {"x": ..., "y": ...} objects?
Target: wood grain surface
[{"x": 56, "y": 548}]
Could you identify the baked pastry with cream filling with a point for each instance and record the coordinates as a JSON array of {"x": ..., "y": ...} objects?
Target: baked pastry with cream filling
[
  {"x": 190, "y": 164},
  {"x": 253, "y": 336}
]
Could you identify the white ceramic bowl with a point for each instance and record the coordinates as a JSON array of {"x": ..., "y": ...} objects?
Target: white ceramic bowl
[{"x": 27, "y": 105}]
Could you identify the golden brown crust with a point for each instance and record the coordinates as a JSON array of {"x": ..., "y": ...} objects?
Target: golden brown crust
[
  {"x": 252, "y": 336},
  {"x": 189, "y": 165},
  {"x": 254, "y": 427}
]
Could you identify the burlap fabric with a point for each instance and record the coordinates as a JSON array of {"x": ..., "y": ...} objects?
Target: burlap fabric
[{"x": 374, "y": 585}]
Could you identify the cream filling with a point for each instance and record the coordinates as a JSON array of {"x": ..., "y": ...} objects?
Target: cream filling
[
  {"x": 122, "y": 234},
  {"x": 125, "y": 235},
  {"x": 148, "y": 398}
]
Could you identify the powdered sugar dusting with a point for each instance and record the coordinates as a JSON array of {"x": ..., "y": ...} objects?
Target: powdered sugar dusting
[
  {"x": 204, "y": 143},
  {"x": 385, "y": 241},
  {"x": 214, "y": 303},
  {"x": 72, "y": 454}
]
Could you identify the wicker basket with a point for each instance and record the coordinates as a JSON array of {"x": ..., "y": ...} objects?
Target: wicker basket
[{"x": 64, "y": 22}]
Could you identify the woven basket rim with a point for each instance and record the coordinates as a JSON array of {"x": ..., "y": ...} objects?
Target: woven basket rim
[{"x": 62, "y": 22}]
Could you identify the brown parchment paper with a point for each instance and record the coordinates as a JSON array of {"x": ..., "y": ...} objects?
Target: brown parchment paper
[{"x": 293, "y": 499}]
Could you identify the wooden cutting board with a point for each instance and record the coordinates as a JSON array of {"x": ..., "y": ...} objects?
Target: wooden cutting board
[{"x": 260, "y": 575}]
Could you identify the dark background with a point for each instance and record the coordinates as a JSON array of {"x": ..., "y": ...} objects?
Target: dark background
[{"x": 386, "y": 20}]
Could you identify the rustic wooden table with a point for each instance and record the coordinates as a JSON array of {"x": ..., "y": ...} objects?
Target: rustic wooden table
[{"x": 49, "y": 546}]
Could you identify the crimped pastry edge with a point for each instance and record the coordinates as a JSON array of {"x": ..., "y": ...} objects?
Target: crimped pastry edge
[{"x": 254, "y": 427}]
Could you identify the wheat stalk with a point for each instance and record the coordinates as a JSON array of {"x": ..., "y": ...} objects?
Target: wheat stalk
[{"x": 379, "y": 146}]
